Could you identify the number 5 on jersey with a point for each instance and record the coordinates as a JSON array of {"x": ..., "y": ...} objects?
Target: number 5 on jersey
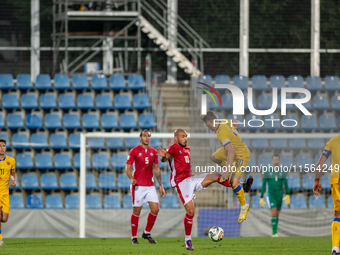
[{"x": 146, "y": 160}]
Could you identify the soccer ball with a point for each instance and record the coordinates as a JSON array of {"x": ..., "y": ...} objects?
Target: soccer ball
[{"x": 216, "y": 234}]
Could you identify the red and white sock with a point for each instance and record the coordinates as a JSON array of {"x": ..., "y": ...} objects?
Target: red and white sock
[
  {"x": 134, "y": 225},
  {"x": 151, "y": 221},
  {"x": 188, "y": 221}
]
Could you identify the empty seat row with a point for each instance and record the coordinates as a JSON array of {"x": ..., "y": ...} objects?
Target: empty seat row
[
  {"x": 72, "y": 121},
  {"x": 79, "y": 82},
  {"x": 67, "y": 102},
  {"x": 259, "y": 82},
  {"x": 282, "y": 144}
]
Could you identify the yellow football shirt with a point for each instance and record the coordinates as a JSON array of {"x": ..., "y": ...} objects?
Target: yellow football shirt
[
  {"x": 226, "y": 134},
  {"x": 333, "y": 146},
  {"x": 6, "y": 166}
]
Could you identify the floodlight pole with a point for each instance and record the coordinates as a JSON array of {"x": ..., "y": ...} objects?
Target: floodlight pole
[
  {"x": 35, "y": 39},
  {"x": 244, "y": 37},
  {"x": 315, "y": 39}
]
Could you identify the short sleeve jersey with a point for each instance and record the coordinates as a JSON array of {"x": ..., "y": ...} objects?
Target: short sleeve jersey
[
  {"x": 179, "y": 163},
  {"x": 6, "y": 166}
]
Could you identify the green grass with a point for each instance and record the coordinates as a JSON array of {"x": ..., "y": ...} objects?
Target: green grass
[{"x": 235, "y": 245}]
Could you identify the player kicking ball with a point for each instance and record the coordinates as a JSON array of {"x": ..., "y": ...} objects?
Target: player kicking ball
[
  {"x": 233, "y": 156},
  {"x": 7, "y": 170},
  {"x": 276, "y": 178},
  {"x": 142, "y": 158},
  {"x": 178, "y": 155}
]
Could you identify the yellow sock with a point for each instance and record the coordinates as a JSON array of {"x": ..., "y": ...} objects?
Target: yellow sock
[
  {"x": 240, "y": 195},
  {"x": 336, "y": 232},
  {"x": 0, "y": 235}
]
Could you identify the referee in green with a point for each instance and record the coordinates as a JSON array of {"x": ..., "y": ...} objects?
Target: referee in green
[{"x": 276, "y": 178}]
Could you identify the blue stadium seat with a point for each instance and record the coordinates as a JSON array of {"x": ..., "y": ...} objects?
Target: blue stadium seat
[
  {"x": 107, "y": 181},
  {"x": 308, "y": 122},
  {"x": 131, "y": 142},
  {"x": 290, "y": 123},
  {"x": 332, "y": 83},
  {"x": 52, "y": 121},
  {"x": 68, "y": 181},
  {"x": 308, "y": 181},
  {"x": 253, "y": 122},
  {"x": 90, "y": 121},
  {"x": 127, "y": 202},
  {"x": 66, "y": 102},
  {"x": 289, "y": 107},
  {"x": 146, "y": 121},
  {"x": 298, "y": 143},
  {"x": 62, "y": 161},
  {"x": 227, "y": 102},
  {"x": 294, "y": 182},
  {"x": 43, "y": 161},
  {"x": 91, "y": 181},
  {"x": 93, "y": 202},
  {"x": 104, "y": 102},
  {"x": 100, "y": 161},
  {"x": 123, "y": 182},
  {"x": 314, "y": 83},
  {"x": 277, "y": 81},
  {"x": 16, "y": 201},
  {"x": 286, "y": 160},
  {"x": 96, "y": 143},
  {"x": 117, "y": 82},
  {"x": 24, "y": 161},
  {"x": 39, "y": 141},
  {"x": 169, "y": 202},
  {"x": 247, "y": 142},
  {"x": 222, "y": 79},
  {"x": 14, "y": 121},
  {"x": 252, "y": 161},
  {"x": 278, "y": 144},
  {"x": 34, "y": 202},
  {"x": 112, "y": 202},
  {"x": 54, "y": 202},
  {"x": 239, "y": 118},
  {"x": 327, "y": 122},
  {"x": 20, "y": 141},
  {"x": 265, "y": 159},
  {"x": 48, "y": 181},
  {"x": 141, "y": 101},
  {"x": 2, "y": 122},
  {"x": 128, "y": 121},
  {"x": 99, "y": 82},
  {"x": 85, "y": 102},
  {"x": 24, "y": 81},
  {"x": 72, "y": 201},
  {"x": 264, "y": 102},
  {"x": 295, "y": 81},
  {"x": 272, "y": 122},
  {"x": 330, "y": 201},
  {"x": 155, "y": 143},
  {"x": 10, "y": 101},
  {"x": 321, "y": 103},
  {"x": 241, "y": 82},
  {"x": 71, "y": 121},
  {"x": 212, "y": 105},
  {"x": 79, "y": 82},
  {"x": 43, "y": 82},
  {"x": 206, "y": 78},
  {"x": 74, "y": 141},
  {"x": 122, "y": 102},
  {"x": 260, "y": 144},
  {"x": 58, "y": 141},
  {"x": 335, "y": 102},
  {"x": 17, "y": 187},
  {"x": 315, "y": 143},
  {"x": 325, "y": 179},
  {"x": 109, "y": 121},
  {"x": 76, "y": 161},
  {"x": 118, "y": 160},
  {"x": 302, "y": 159},
  {"x": 29, "y": 101},
  {"x": 6, "y": 82},
  {"x": 33, "y": 121},
  {"x": 47, "y": 102},
  {"x": 259, "y": 82},
  {"x": 114, "y": 143},
  {"x": 136, "y": 82},
  {"x": 307, "y": 105},
  {"x": 257, "y": 184},
  {"x": 298, "y": 202},
  {"x": 317, "y": 202},
  {"x": 61, "y": 82},
  {"x": 29, "y": 181}
]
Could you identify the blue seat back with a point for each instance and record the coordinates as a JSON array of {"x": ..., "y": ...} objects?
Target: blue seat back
[
  {"x": 100, "y": 161},
  {"x": 241, "y": 82},
  {"x": 20, "y": 141},
  {"x": 314, "y": 83},
  {"x": 128, "y": 121},
  {"x": 52, "y": 121},
  {"x": 47, "y": 102},
  {"x": 272, "y": 122},
  {"x": 74, "y": 141},
  {"x": 118, "y": 160},
  {"x": 117, "y": 82},
  {"x": 71, "y": 121},
  {"x": 295, "y": 81},
  {"x": 122, "y": 102},
  {"x": 29, "y": 101},
  {"x": 79, "y": 82},
  {"x": 131, "y": 142},
  {"x": 112, "y": 202},
  {"x": 93, "y": 202},
  {"x": 114, "y": 143},
  {"x": 123, "y": 182},
  {"x": 43, "y": 161},
  {"x": 68, "y": 181},
  {"x": 58, "y": 141},
  {"x": 99, "y": 82},
  {"x": 34, "y": 202},
  {"x": 104, "y": 101},
  {"x": 136, "y": 82},
  {"x": 127, "y": 202},
  {"x": 43, "y": 82},
  {"x": 294, "y": 182},
  {"x": 147, "y": 121},
  {"x": 298, "y": 202},
  {"x": 15, "y": 121},
  {"x": 141, "y": 101},
  {"x": 33, "y": 121},
  {"x": 90, "y": 121},
  {"x": 107, "y": 181},
  {"x": 62, "y": 161},
  {"x": 48, "y": 181},
  {"x": 222, "y": 79},
  {"x": 10, "y": 101},
  {"x": 16, "y": 202},
  {"x": 61, "y": 82},
  {"x": 6, "y": 82},
  {"x": 297, "y": 143},
  {"x": 96, "y": 143},
  {"x": 327, "y": 122},
  {"x": 317, "y": 202},
  {"x": 277, "y": 81},
  {"x": 259, "y": 82},
  {"x": 39, "y": 141},
  {"x": 321, "y": 102},
  {"x": 170, "y": 202},
  {"x": 24, "y": 81},
  {"x": 91, "y": 181},
  {"x": 332, "y": 83},
  {"x": 308, "y": 122},
  {"x": 24, "y": 161},
  {"x": 54, "y": 202},
  {"x": 85, "y": 102},
  {"x": 66, "y": 101},
  {"x": 76, "y": 161},
  {"x": 308, "y": 181},
  {"x": 72, "y": 202},
  {"x": 109, "y": 121},
  {"x": 29, "y": 181}
]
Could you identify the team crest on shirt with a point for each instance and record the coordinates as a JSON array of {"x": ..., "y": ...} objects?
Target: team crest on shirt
[
  {"x": 140, "y": 154},
  {"x": 180, "y": 152},
  {"x": 186, "y": 196},
  {"x": 151, "y": 154},
  {"x": 8, "y": 163}
]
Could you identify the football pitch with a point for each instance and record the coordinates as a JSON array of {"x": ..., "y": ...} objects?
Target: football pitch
[{"x": 237, "y": 246}]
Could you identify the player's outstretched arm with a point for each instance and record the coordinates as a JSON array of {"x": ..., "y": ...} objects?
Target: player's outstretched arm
[
  {"x": 158, "y": 175},
  {"x": 129, "y": 174},
  {"x": 318, "y": 170},
  {"x": 13, "y": 178},
  {"x": 164, "y": 155}
]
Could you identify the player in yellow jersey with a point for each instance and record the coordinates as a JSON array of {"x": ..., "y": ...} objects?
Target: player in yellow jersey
[
  {"x": 233, "y": 156},
  {"x": 332, "y": 148},
  {"x": 7, "y": 170}
]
